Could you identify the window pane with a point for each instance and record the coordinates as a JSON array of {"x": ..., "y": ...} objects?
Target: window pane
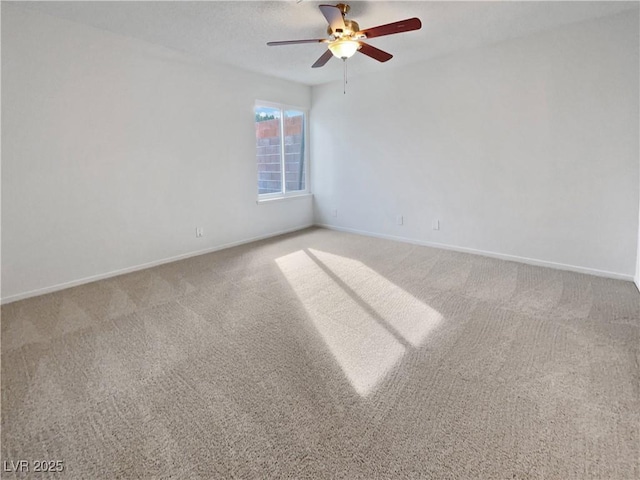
[
  {"x": 268, "y": 150},
  {"x": 294, "y": 150}
]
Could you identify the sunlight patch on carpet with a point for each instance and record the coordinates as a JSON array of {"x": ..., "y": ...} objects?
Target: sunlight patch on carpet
[
  {"x": 367, "y": 322},
  {"x": 404, "y": 313}
]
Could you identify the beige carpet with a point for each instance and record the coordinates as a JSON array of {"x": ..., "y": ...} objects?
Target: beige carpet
[{"x": 327, "y": 355}]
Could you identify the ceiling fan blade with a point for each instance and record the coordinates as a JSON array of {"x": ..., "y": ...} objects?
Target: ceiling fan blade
[
  {"x": 334, "y": 16},
  {"x": 374, "y": 52},
  {"x": 293, "y": 42},
  {"x": 326, "y": 56},
  {"x": 396, "y": 27}
]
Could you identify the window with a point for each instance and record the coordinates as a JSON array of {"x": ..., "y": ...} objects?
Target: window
[{"x": 281, "y": 151}]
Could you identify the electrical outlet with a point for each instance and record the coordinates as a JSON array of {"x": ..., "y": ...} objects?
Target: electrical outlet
[
  {"x": 334, "y": 212},
  {"x": 399, "y": 220},
  {"x": 199, "y": 232},
  {"x": 436, "y": 225}
]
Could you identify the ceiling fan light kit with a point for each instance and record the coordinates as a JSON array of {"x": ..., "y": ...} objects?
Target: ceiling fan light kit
[
  {"x": 346, "y": 38},
  {"x": 344, "y": 48}
]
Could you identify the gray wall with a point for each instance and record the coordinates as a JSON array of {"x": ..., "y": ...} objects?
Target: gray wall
[
  {"x": 115, "y": 150},
  {"x": 527, "y": 149}
]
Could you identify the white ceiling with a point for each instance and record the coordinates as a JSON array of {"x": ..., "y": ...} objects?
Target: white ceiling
[{"x": 235, "y": 33}]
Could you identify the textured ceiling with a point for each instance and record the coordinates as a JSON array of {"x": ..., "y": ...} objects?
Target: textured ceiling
[{"x": 235, "y": 33}]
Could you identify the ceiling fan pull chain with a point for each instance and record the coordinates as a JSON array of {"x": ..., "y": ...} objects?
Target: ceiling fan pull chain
[{"x": 344, "y": 77}]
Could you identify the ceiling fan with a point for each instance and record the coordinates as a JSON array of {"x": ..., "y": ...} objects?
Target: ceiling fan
[{"x": 345, "y": 36}]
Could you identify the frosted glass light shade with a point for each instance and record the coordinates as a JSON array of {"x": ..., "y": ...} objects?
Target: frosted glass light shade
[{"x": 343, "y": 48}]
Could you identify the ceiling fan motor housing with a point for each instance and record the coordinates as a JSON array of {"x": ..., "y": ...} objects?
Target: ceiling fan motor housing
[{"x": 351, "y": 27}]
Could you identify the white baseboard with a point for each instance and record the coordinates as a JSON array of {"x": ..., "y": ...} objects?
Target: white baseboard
[
  {"x": 155, "y": 263},
  {"x": 501, "y": 256}
]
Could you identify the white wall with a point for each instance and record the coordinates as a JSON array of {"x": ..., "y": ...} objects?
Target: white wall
[
  {"x": 527, "y": 148},
  {"x": 637, "y": 277},
  {"x": 114, "y": 150}
]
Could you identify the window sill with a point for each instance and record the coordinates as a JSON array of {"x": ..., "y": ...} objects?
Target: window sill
[{"x": 283, "y": 198}]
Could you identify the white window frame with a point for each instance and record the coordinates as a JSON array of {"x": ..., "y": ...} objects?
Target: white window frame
[{"x": 265, "y": 197}]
